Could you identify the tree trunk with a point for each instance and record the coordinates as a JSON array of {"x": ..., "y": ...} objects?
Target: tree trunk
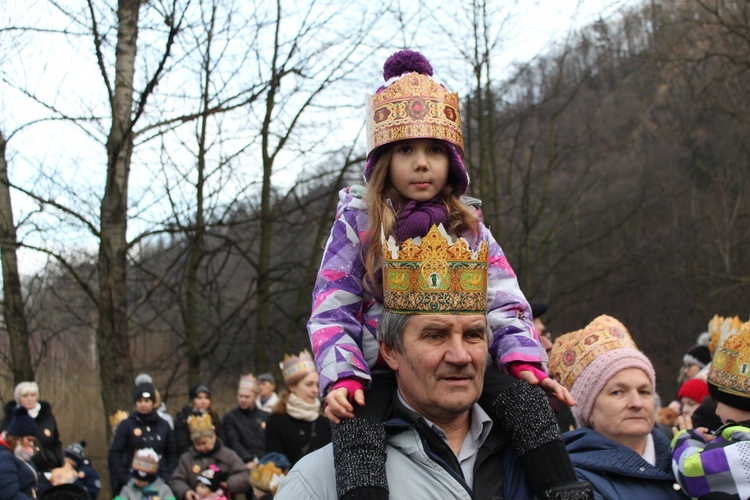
[
  {"x": 13, "y": 307},
  {"x": 115, "y": 364}
]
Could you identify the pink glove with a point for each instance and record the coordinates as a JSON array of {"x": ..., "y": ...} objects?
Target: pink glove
[
  {"x": 515, "y": 368},
  {"x": 350, "y": 384}
]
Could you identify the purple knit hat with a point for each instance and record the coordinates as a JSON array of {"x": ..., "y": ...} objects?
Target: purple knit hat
[{"x": 405, "y": 62}]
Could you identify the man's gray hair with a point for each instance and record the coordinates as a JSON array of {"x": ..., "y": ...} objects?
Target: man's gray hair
[{"x": 391, "y": 330}]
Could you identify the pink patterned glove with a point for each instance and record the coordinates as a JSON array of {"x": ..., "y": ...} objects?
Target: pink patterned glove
[{"x": 515, "y": 368}]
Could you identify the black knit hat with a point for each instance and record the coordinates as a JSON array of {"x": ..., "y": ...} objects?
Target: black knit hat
[
  {"x": 144, "y": 391},
  {"x": 197, "y": 389},
  {"x": 22, "y": 424},
  {"x": 75, "y": 452},
  {"x": 537, "y": 308},
  {"x": 733, "y": 400},
  {"x": 698, "y": 355}
]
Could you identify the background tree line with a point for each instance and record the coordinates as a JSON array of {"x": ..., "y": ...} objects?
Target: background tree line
[{"x": 183, "y": 231}]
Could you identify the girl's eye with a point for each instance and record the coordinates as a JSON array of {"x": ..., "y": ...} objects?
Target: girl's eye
[
  {"x": 436, "y": 149},
  {"x": 405, "y": 149}
]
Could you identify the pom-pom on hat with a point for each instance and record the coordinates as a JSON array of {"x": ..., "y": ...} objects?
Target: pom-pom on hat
[
  {"x": 145, "y": 464},
  {"x": 584, "y": 361},
  {"x": 695, "y": 389},
  {"x": 698, "y": 355},
  {"x": 412, "y": 105},
  {"x": 295, "y": 368},
  {"x": 729, "y": 377},
  {"x": 22, "y": 425}
]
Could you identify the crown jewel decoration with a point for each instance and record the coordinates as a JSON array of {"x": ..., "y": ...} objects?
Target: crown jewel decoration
[
  {"x": 200, "y": 424},
  {"x": 292, "y": 366},
  {"x": 434, "y": 275},
  {"x": 730, "y": 366},
  {"x": 414, "y": 106}
]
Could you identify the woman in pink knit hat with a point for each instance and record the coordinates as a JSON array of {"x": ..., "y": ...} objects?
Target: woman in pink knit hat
[{"x": 616, "y": 449}]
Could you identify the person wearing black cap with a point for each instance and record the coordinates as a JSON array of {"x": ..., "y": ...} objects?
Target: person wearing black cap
[
  {"x": 200, "y": 403},
  {"x": 143, "y": 428},
  {"x": 18, "y": 477},
  {"x": 88, "y": 477}
]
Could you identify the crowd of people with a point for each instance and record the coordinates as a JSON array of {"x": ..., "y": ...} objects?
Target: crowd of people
[{"x": 431, "y": 375}]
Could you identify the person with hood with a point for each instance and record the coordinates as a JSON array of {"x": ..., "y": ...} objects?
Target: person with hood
[
  {"x": 143, "y": 428},
  {"x": 616, "y": 447},
  {"x": 200, "y": 403},
  {"x": 50, "y": 454},
  {"x": 18, "y": 477}
]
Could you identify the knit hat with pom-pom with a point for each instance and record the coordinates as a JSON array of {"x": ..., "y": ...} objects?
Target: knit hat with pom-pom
[{"x": 412, "y": 105}]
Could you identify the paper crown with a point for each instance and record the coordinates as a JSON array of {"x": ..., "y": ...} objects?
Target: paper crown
[
  {"x": 248, "y": 382},
  {"x": 730, "y": 366},
  {"x": 117, "y": 417},
  {"x": 720, "y": 325},
  {"x": 266, "y": 477},
  {"x": 434, "y": 275},
  {"x": 294, "y": 367},
  {"x": 414, "y": 106},
  {"x": 200, "y": 425},
  {"x": 574, "y": 352},
  {"x": 146, "y": 461}
]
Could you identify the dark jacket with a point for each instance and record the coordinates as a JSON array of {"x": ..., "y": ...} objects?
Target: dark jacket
[
  {"x": 137, "y": 432},
  {"x": 18, "y": 479},
  {"x": 182, "y": 431},
  {"x": 50, "y": 454},
  {"x": 245, "y": 430},
  {"x": 191, "y": 464},
  {"x": 88, "y": 478},
  {"x": 617, "y": 472},
  {"x": 296, "y": 438}
]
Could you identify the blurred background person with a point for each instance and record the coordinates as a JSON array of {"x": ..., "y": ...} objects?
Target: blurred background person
[
  {"x": 18, "y": 477},
  {"x": 200, "y": 403},
  {"x": 267, "y": 397},
  {"x": 245, "y": 425}
]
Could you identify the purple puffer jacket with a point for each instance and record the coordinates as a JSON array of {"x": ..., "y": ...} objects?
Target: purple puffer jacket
[{"x": 345, "y": 316}]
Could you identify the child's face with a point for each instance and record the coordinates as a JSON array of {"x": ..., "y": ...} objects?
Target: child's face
[
  {"x": 204, "y": 444},
  {"x": 689, "y": 405},
  {"x": 419, "y": 168},
  {"x": 202, "y": 490}
]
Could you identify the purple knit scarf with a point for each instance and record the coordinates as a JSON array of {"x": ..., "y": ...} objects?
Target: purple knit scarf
[{"x": 416, "y": 218}]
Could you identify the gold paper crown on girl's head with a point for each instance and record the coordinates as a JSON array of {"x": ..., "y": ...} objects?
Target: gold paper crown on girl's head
[
  {"x": 200, "y": 425},
  {"x": 434, "y": 275},
  {"x": 294, "y": 366},
  {"x": 414, "y": 106},
  {"x": 117, "y": 417},
  {"x": 730, "y": 365}
]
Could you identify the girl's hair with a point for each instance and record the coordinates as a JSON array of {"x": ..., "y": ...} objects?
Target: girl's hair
[
  {"x": 24, "y": 388},
  {"x": 379, "y": 190},
  {"x": 280, "y": 407}
]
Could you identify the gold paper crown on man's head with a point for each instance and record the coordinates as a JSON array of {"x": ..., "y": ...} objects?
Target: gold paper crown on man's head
[
  {"x": 200, "y": 425},
  {"x": 295, "y": 367},
  {"x": 434, "y": 275},
  {"x": 719, "y": 326},
  {"x": 414, "y": 106},
  {"x": 730, "y": 365}
]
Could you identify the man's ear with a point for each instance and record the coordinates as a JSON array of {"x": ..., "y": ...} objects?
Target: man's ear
[{"x": 389, "y": 355}]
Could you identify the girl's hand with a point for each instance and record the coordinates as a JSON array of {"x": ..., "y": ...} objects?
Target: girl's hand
[
  {"x": 535, "y": 376},
  {"x": 338, "y": 405}
]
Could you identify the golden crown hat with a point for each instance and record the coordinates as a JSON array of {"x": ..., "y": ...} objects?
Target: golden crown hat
[
  {"x": 247, "y": 381},
  {"x": 117, "y": 417},
  {"x": 200, "y": 424},
  {"x": 266, "y": 477},
  {"x": 414, "y": 106},
  {"x": 146, "y": 460},
  {"x": 575, "y": 351},
  {"x": 294, "y": 366},
  {"x": 730, "y": 365},
  {"x": 434, "y": 275},
  {"x": 720, "y": 325}
]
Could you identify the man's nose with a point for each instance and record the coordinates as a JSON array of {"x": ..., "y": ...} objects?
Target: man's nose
[{"x": 457, "y": 352}]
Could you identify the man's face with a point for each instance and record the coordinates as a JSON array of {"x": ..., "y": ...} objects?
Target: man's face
[
  {"x": 266, "y": 388},
  {"x": 440, "y": 372},
  {"x": 246, "y": 398}
]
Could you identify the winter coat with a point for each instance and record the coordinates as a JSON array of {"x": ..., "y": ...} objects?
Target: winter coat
[
  {"x": 720, "y": 466},
  {"x": 619, "y": 473},
  {"x": 296, "y": 438},
  {"x": 245, "y": 431},
  {"x": 158, "y": 489},
  {"x": 420, "y": 465},
  {"x": 50, "y": 454},
  {"x": 137, "y": 432},
  {"x": 345, "y": 315},
  {"x": 182, "y": 431},
  {"x": 88, "y": 478},
  {"x": 192, "y": 462},
  {"x": 18, "y": 479}
]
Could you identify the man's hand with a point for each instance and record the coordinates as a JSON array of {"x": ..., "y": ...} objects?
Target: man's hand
[
  {"x": 686, "y": 423},
  {"x": 191, "y": 495},
  {"x": 338, "y": 405}
]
